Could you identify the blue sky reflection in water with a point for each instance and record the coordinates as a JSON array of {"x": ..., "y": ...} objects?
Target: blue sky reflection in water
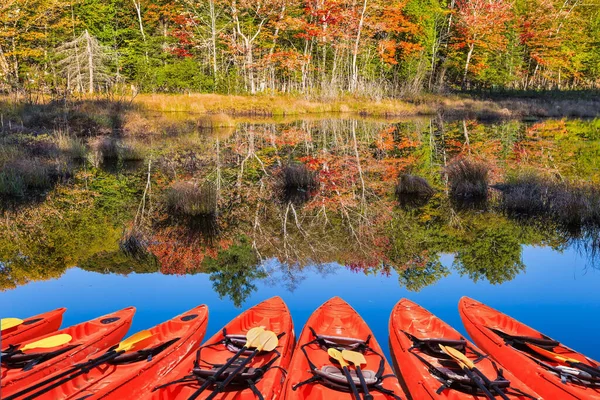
[{"x": 556, "y": 294}]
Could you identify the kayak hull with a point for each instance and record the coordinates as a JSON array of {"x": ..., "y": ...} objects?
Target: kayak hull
[
  {"x": 273, "y": 315},
  {"x": 478, "y": 318},
  {"x": 132, "y": 380},
  {"x": 89, "y": 338},
  {"x": 33, "y": 327},
  {"x": 334, "y": 318},
  {"x": 415, "y": 320}
]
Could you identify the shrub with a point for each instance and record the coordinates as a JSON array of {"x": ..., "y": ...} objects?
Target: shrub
[
  {"x": 112, "y": 149},
  {"x": 190, "y": 199},
  {"x": 412, "y": 185},
  {"x": 467, "y": 179},
  {"x": 19, "y": 176},
  {"x": 212, "y": 121},
  {"x": 195, "y": 205},
  {"x": 296, "y": 183},
  {"x": 526, "y": 194},
  {"x": 72, "y": 146},
  {"x": 529, "y": 194}
]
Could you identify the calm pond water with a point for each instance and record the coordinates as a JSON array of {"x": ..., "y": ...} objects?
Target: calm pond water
[{"x": 348, "y": 236}]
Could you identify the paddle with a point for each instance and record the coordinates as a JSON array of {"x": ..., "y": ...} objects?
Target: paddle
[
  {"x": 45, "y": 343},
  {"x": 251, "y": 336},
  {"x": 357, "y": 359},
  {"x": 134, "y": 341},
  {"x": 569, "y": 361},
  {"x": 266, "y": 341},
  {"x": 7, "y": 323},
  {"x": 337, "y": 355},
  {"x": 469, "y": 367}
]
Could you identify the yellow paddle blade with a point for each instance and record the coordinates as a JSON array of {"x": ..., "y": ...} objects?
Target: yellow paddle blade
[
  {"x": 357, "y": 359},
  {"x": 7, "y": 323},
  {"x": 550, "y": 354},
  {"x": 132, "y": 340},
  {"x": 458, "y": 356},
  {"x": 49, "y": 342},
  {"x": 337, "y": 355},
  {"x": 253, "y": 333},
  {"x": 266, "y": 341}
]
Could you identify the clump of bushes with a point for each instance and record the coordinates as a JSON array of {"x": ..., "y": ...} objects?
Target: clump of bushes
[
  {"x": 110, "y": 148},
  {"x": 134, "y": 244},
  {"x": 195, "y": 205},
  {"x": 413, "y": 185},
  {"x": 529, "y": 194},
  {"x": 71, "y": 146},
  {"x": 413, "y": 191},
  {"x": 468, "y": 179},
  {"x": 22, "y": 175},
  {"x": 212, "y": 121},
  {"x": 296, "y": 183}
]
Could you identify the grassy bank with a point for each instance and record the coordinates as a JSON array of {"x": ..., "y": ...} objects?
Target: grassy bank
[
  {"x": 451, "y": 106},
  {"x": 139, "y": 115}
]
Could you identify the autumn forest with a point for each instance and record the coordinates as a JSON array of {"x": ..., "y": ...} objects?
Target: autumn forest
[{"x": 377, "y": 48}]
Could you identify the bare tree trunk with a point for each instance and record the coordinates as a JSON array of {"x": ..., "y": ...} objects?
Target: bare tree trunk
[
  {"x": 354, "y": 79},
  {"x": 469, "y": 55},
  {"x": 90, "y": 61},
  {"x": 213, "y": 36},
  {"x": 138, "y": 9}
]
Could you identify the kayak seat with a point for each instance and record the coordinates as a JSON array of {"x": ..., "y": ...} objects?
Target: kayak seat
[
  {"x": 327, "y": 342},
  {"x": 247, "y": 374},
  {"x": 334, "y": 374}
]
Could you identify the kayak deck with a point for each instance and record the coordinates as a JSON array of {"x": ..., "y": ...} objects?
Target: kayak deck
[
  {"x": 415, "y": 336},
  {"x": 342, "y": 326},
  {"x": 501, "y": 336},
  {"x": 273, "y": 315},
  {"x": 132, "y": 374},
  {"x": 33, "y": 327},
  {"x": 88, "y": 338}
]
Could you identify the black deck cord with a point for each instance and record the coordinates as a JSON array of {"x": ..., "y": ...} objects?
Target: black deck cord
[
  {"x": 316, "y": 378},
  {"x": 28, "y": 361},
  {"x": 511, "y": 340},
  {"x": 191, "y": 378},
  {"x": 85, "y": 367},
  {"x": 449, "y": 383}
]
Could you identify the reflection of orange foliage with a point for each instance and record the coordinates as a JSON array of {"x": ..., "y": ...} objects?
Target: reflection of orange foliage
[
  {"x": 406, "y": 143},
  {"x": 179, "y": 252},
  {"x": 385, "y": 141},
  {"x": 291, "y": 137}
]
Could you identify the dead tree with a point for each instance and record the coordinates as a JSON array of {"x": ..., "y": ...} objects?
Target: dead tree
[{"x": 83, "y": 61}]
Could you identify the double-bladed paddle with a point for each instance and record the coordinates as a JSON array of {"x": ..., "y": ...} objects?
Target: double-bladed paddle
[
  {"x": 266, "y": 341},
  {"x": 7, "y": 323},
  {"x": 595, "y": 372},
  {"x": 337, "y": 355},
  {"x": 45, "y": 343},
  {"x": 469, "y": 367},
  {"x": 251, "y": 337},
  {"x": 357, "y": 359},
  {"x": 134, "y": 341}
]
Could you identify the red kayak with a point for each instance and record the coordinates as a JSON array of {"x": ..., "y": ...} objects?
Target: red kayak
[
  {"x": 430, "y": 373},
  {"x": 314, "y": 375},
  {"x": 133, "y": 374},
  {"x": 21, "y": 369},
  {"x": 530, "y": 355},
  {"x": 33, "y": 327},
  {"x": 263, "y": 374}
]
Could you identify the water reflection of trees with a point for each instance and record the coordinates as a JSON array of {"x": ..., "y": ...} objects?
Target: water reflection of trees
[{"x": 351, "y": 218}]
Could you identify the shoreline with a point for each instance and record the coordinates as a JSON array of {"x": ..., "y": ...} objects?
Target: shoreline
[{"x": 426, "y": 106}]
